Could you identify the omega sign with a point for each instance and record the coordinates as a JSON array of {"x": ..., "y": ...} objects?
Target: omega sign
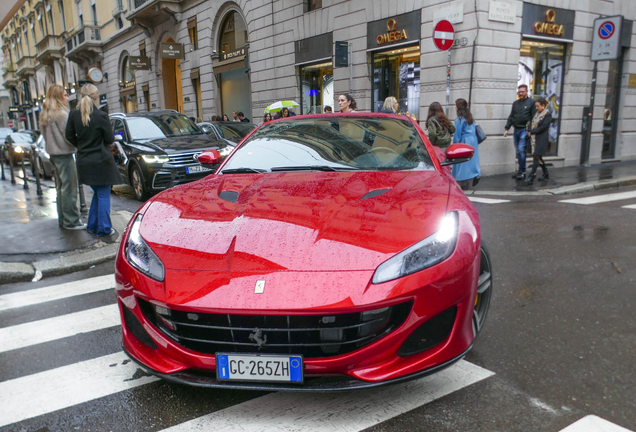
[
  {"x": 392, "y": 34},
  {"x": 549, "y": 27}
]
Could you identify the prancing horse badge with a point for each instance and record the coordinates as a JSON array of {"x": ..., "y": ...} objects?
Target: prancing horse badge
[{"x": 260, "y": 287}]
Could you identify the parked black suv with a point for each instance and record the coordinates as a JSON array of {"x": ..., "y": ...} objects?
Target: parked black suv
[{"x": 159, "y": 149}]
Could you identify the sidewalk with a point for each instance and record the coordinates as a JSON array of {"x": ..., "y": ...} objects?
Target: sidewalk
[{"x": 31, "y": 240}]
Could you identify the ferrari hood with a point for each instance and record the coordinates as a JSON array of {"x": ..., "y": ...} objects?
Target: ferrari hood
[{"x": 299, "y": 222}]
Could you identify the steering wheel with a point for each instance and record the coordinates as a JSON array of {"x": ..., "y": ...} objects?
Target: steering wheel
[{"x": 385, "y": 149}]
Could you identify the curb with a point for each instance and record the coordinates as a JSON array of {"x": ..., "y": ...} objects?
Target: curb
[
  {"x": 67, "y": 262},
  {"x": 564, "y": 190}
]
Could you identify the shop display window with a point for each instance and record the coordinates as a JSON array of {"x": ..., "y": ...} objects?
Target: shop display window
[
  {"x": 396, "y": 72},
  {"x": 541, "y": 67},
  {"x": 317, "y": 88}
]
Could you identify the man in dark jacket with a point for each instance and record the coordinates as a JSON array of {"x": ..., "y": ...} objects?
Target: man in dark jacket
[
  {"x": 523, "y": 110},
  {"x": 242, "y": 118}
]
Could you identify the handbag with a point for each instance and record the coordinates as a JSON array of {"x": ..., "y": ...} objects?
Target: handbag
[{"x": 481, "y": 135}]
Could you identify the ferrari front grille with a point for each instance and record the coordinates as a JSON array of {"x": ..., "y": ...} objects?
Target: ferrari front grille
[{"x": 313, "y": 336}]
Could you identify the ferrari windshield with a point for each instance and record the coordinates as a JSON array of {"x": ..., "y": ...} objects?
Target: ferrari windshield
[{"x": 332, "y": 143}]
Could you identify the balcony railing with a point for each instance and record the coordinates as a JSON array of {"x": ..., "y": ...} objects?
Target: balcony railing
[
  {"x": 84, "y": 41},
  {"x": 119, "y": 7},
  {"x": 138, "y": 3},
  {"x": 10, "y": 78},
  {"x": 25, "y": 63},
  {"x": 49, "y": 43}
]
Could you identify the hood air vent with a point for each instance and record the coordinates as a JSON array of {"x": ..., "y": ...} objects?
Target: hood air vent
[
  {"x": 230, "y": 196},
  {"x": 374, "y": 193}
]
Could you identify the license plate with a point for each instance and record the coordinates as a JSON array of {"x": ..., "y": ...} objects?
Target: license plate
[
  {"x": 259, "y": 367},
  {"x": 196, "y": 169}
]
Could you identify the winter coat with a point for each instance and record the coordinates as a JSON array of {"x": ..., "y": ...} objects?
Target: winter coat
[
  {"x": 541, "y": 133},
  {"x": 465, "y": 133},
  {"x": 95, "y": 163},
  {"x": 54, "y": 135},
  {"x": 438, "y": 135}
]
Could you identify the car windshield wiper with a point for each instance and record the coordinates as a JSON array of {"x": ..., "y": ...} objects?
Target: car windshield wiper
[
  {"x": 314, "y": 168},
  {"x": 242, "y": 170}
]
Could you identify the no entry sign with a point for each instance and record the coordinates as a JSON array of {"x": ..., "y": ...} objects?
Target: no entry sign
[{"x": 443, "y": 35}]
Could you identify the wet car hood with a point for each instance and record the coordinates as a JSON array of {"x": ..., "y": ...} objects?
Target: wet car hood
[
  {"x": 307, "y": 221},
  {"x": 182, "y": 143}
]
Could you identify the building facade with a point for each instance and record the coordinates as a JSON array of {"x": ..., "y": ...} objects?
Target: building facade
[{"x": 213, "y": 57}]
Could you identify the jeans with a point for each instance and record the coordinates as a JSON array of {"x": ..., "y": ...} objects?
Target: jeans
[
  {"x": 521, "y": 142},
  {"x": 68, "y": 214},
  {"x": 99, "y": 213}
]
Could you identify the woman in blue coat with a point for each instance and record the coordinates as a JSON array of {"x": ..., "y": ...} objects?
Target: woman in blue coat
[{"x": 465, "y": 133}]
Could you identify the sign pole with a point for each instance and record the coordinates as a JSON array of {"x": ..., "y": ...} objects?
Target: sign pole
[
  {"x": 585, "y": 148},
  {"x": 351, "y": 69},
  {"x": 448, "y": 75}
]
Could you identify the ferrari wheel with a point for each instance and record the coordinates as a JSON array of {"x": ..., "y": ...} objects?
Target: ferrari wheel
[{"x": 484, "y": 292}]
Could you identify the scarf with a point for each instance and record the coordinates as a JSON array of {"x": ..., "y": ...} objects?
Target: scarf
[{"x": 535, "y": 122}]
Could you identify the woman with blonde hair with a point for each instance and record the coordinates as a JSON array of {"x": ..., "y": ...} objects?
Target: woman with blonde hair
[
  {"x": 52, "y": 125},
  {"x": 89, "y": 130},
  {"x": 390, "y": 106}
]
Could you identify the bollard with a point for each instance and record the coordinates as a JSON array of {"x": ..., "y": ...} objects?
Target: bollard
[
  {"x": 24, "y": 174},
  {"x": 83, "y": 208},
  {"x": 36, "y": 168},
  {"x": 2, "y": 162},
  {"x": 11, "y": 165}
]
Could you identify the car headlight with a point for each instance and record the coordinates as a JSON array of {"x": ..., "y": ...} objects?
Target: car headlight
[
  {"x": 226, "y": 150},
  {"x": 155, "y": 158},
  {"x": 18, "y": 149},
  {"x": 140, "y": 256},
  {"x": 424, "y": 254}
]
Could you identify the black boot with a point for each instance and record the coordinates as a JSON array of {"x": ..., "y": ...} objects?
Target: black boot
[
  {"x": 545, "y": 175},
  {"x": 530, "y": 179}
]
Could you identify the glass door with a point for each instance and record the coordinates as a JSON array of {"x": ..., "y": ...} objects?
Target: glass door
[
  {"x": 397, "y": 73},
  {"x": 317, "y": 88},
  {"x": 541, "y": 68}
]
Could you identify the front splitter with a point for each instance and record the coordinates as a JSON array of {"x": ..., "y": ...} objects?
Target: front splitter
[{"x": 318, "y": 384}]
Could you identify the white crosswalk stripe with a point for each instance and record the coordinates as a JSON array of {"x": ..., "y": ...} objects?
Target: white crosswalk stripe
[
  {"x": 50, "y": 329},
  {"x": 52, "y": 390},
  {"x": 593, "y": 423},
  {"x": 487, "y": 200},
  {"x": 56, "y": 292},
  {"x": 344, "y": 412},
  {"x": 596, "y": 199}
]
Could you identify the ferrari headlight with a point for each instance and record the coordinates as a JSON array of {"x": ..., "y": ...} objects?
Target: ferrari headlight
[
  {"x": 424, "y": 254},
  {"x": 18, "y": 149},
  {"x": 155, "y": 158},
  {"x": 140, "y": 256}
]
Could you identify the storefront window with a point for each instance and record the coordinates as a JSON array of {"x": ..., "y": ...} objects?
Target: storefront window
[
  {"x": 397, "y": 73},
  {"x": 128, "y": 92},
  {"x": 610, "y": 113},
  {"x": 317, "y": 88},
  {"x": 541, "y": 69}
]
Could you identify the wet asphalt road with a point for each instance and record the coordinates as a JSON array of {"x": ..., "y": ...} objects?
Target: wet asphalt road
[{"x": 559, "y": 335}]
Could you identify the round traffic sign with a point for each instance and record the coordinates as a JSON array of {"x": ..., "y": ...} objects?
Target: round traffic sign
[
  {"x": 606, "y": 30},
  {"x": 443, "y": 35}
]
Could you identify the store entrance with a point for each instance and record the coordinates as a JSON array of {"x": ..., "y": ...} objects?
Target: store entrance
[
  {"x": 541, "y": 69},
  {"x": 396, "y": 72},
  {"x": 172, "y": 90}
]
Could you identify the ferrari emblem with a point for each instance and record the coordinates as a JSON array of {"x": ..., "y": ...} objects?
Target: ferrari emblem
[{"x": 260, "y": 287}]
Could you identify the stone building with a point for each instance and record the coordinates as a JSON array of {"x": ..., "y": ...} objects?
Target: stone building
[{"x": 208, "y": 57}]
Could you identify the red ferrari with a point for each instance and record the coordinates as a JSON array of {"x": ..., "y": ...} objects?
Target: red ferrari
[{"x": 327, "y": 252}]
